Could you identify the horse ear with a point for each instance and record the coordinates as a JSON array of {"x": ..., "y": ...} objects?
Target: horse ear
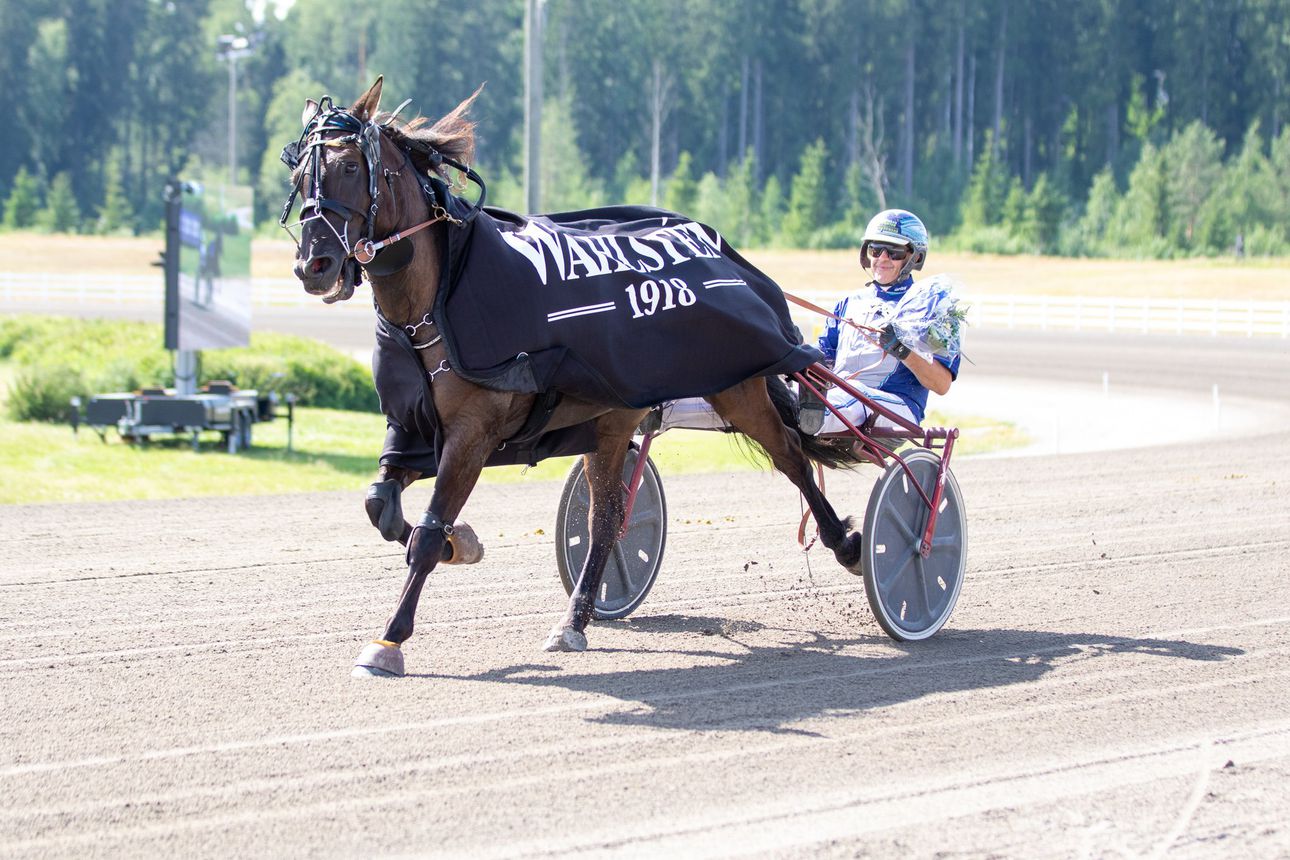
[
  {"x": 366, "y": 106},
  {"x": 310, "y": 111}
]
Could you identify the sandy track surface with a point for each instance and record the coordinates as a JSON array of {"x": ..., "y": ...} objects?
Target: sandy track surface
[{"x": 175, "y": 679}]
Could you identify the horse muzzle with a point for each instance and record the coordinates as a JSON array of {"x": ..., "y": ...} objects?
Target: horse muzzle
[{"x": 325, "y": 277}]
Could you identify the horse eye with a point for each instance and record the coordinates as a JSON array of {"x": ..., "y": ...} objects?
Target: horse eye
[{"x": 351, "y": 167}]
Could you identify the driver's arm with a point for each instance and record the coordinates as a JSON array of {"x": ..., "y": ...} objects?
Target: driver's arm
[{"x": 933, "y": 375}]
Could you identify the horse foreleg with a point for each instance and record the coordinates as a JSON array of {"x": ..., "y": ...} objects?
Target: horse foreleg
[
  {"x": 464, "y": 456},
  {"x": 604, "y": 472},
  {"x": 384, "y": 501},
  {"x": 749, "y": 408}
]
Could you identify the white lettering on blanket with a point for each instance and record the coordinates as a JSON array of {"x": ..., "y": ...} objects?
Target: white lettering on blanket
[{"x": 561, "y": 256}]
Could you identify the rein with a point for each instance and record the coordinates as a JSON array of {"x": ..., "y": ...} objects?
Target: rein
[
  {"x": 365, "y": 249},
  {"x": 810, "y": 306}
]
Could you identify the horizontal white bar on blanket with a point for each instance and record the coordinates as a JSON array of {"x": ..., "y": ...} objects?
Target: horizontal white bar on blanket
[
  {"x": 580, "y": 312},
  {"x": 725, "y": 282}
]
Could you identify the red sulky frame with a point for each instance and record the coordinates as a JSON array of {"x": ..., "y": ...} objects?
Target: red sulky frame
[{"x": 866, "y": 436}]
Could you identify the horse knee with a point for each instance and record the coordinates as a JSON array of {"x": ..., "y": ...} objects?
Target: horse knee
[{"x": 384, "y": 505}]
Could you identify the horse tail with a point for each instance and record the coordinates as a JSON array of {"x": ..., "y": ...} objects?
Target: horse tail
[{"x": 817, "y": 450}]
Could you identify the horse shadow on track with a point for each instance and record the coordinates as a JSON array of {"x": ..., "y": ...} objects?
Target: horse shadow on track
[{"x": 770, "y": 687}]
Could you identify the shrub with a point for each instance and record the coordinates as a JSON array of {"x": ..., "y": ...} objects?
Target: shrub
[{"x": 57, "y": 358}]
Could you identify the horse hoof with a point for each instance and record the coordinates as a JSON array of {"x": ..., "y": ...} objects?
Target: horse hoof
[
  {"x": 370, "y": 672},
  {"x": 565, "y": 639},
  {"x": 466, "y": 546},
  {"x": 379, "y": 660}
]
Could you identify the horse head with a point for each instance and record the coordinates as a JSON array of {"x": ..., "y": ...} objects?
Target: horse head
[{"x": 363, "y": 176}]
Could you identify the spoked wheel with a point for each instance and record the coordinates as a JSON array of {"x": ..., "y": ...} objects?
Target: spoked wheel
[
  {"x": 911, "y": 596},
  {"x": 634, "y": 563}
]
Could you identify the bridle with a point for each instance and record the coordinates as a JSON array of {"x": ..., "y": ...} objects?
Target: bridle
[{"x": 333, "y": 126}]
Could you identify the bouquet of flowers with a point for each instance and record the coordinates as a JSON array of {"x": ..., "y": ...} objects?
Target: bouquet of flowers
[{"x": 930, "y": 317}]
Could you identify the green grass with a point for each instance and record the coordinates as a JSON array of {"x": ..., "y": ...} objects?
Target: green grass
[{"x": 331, "y": 450}]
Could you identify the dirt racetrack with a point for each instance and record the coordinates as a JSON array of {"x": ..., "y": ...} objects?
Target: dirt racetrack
[{"x": 175, "y": 679}]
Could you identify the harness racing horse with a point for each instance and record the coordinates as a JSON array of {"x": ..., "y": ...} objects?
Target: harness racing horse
[{"x": 372, "y": 190}]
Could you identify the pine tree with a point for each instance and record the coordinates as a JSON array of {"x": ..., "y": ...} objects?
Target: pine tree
[
  {"x": 115, "y": 215},
  {"x": 859, "y": 202},
  {"x": 61, "y": 210},
  {"x": 1045, "y": 208},
  {"x": 1244, "y": 199},
  {"x": 681, "y": 187},
  {"x": 772, "y": 210},
  {"x": 986, "y": 191},
  {"x": 1194, "y": 156},
  {"x": 709, "y": 201},
  {"x": 1099, "y": 212},
  {"x": 566, "y": 183},
  {"x": 1141, "y": 217},
  {"x": 1013, "y": 215},
  {"x": 808, "y": 199},
  {"x": 22, "y": 207},
  {"x": 738, "y": 206}
]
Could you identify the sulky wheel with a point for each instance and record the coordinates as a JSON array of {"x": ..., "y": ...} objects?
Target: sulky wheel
[
  {"x": 634, "y": 563},
  {"x": 912, "y": 596}
]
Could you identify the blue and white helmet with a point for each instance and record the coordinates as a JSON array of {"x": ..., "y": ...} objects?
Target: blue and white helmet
[{"x": 897, "y": 227}]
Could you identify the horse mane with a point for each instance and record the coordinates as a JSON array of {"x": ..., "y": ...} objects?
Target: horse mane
[{"x": 452, "y": 135}]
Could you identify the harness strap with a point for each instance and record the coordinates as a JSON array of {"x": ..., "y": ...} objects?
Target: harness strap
[
  {"x": 544, "y": 406},
  {"x": 811, "y": 306},
  {"x": 806, "y": 516},
  {"x": 429, "y": 520}
]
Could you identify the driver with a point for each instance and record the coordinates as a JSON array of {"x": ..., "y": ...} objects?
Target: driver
[{"x": 879, "y": 365}]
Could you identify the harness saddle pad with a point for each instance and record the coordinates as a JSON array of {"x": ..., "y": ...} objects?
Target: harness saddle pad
[{"x": 625, "y": 306}]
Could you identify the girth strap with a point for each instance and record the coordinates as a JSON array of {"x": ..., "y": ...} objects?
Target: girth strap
[{"x": 544, "y": 406}]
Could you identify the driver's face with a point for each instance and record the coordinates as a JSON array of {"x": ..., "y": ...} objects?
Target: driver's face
[{"x": 885, "y": 269}]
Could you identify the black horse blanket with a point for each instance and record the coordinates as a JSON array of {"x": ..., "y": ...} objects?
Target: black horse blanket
[
  {"x": 626, "y": 306},
  {"x": 412, "y": 437}
]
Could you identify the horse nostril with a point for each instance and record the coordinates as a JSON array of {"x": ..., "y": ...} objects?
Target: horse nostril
[{"x": 319, "y": 265}]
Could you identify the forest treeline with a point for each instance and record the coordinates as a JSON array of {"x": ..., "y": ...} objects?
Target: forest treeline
[{"x": 1086, "y": 127}]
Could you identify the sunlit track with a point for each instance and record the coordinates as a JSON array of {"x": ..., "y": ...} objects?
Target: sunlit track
[
  {"x": 518, "y": 593},
  {"x": 601, "y": 705},
  {"x": 800, "y": 679},
  {"x": 983, "y": 507},
  {"x": 518, "y": 622},
  {"x": 1279, "y": 732},
  {"x": 1122, "y": 635}
]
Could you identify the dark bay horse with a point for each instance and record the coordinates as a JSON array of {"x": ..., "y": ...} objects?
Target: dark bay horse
[{"x": 364, "y": 177}]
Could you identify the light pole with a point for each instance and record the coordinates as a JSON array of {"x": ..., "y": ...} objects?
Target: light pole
[
  {"x": 231, "y": 49},
  {"x": 533, "y": 105}
]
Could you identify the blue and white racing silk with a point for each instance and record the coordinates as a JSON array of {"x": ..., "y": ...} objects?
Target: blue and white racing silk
[{"x": 856, "y": 357}]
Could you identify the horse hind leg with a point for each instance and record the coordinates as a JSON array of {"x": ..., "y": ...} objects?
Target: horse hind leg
[
  {"x": 604, "y": 471},
  {"x": 750, "y": 408}
]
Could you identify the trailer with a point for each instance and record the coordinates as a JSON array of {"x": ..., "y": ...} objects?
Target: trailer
[{"x": 218, "y": 407}]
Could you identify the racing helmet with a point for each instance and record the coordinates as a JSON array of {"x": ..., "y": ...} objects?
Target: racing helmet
[{"x": 897, "y": 227}]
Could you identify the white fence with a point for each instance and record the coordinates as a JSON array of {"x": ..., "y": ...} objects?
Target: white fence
[
  {"x": 38, "y": 287},
  {"x": 1160, "y": 316},
  {"x": 1081, "y": 313}
]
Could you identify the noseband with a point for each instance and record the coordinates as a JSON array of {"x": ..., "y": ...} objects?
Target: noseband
[{"x": 333, "y": 126}]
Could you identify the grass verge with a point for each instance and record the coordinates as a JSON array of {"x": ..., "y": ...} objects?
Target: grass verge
[{"x": 331, "y": 450}]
